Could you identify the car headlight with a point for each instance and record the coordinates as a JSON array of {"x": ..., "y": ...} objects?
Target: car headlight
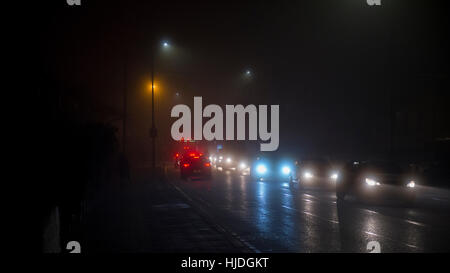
[
  {"x": 242, "y": 165},
  {"x": 411, "y": 184},
  {"x": 308, "y": 175},
  {"x": 228, "y": 160},
  {"x": 286, "y": 170},
  {"x": 334, "y": 176},
  {"x": 261, "y": 169},
  {"x": 372, "y": 182}
]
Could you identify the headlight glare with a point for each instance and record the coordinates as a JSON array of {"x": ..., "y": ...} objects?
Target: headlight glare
[
  {"x": 372, "y": 182},
  {"x": 261, "y": 169},
  {"x": 286, "y": 170}
]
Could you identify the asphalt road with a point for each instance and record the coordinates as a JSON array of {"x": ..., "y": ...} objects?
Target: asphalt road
[{"x": 274, "y": 216}]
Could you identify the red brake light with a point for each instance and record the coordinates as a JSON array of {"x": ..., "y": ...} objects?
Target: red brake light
[
  {"x": 185, "y": 165},
  {"x": 207, "y": 164}
]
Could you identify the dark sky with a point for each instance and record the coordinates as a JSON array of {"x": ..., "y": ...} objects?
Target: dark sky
[{"x": 332, "y": 66}]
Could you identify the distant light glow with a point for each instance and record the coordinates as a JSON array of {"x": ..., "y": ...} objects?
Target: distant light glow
[
  {"x": 308, "y": 175},
  {"x": 229, "y": 160},
  {"x": 372, "y": 182},
  {"x": 286, "y": 170},
  {"x": 411, "y": 184},
  {"x": 242, "y": 165},
  {"x": 261, "y": 169},
  {"x": 334, "y": 176}
]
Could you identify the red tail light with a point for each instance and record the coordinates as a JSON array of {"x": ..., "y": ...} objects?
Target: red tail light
[
  {"x": 207, "y": 164},
  {"x": 185, "y": 165},
  {"x": 192, "y": 154}
]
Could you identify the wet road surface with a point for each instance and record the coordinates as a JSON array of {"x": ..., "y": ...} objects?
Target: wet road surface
[{"x": 275, "y": 216}]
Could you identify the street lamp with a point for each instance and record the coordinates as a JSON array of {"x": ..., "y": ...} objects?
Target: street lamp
[{"x": 153, "y": 131}]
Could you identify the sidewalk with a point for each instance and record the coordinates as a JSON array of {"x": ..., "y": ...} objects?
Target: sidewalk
[{"x": 150, "y": 217}]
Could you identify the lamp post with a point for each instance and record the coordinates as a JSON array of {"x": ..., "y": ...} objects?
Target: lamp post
[{"x": 153, "y": 132}]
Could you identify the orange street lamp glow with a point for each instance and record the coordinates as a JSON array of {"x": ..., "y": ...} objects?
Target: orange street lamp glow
[{"x": 150, "y": 87}]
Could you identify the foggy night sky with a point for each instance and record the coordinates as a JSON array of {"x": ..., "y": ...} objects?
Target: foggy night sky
[{"x": 331, "y": 65}]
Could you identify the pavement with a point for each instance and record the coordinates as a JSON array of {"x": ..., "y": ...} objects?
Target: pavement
[{"x": 148, "y": 215}]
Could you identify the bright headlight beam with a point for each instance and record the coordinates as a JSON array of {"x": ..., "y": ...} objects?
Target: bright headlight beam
[
  {"x": 242, "y": 165},
  {"x": 286, "y": 170},
  {"x": 411, "y": 184},
  {"x": 229, "y": 160},
  {"x": 334, "y": 176},
  {"x": 261, "y": 169},
  {"x": 372, "y": 182},
  {"x": 307, "y": 175}
]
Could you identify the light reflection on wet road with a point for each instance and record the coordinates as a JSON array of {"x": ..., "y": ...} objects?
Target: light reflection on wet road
[{"x": 275, "y": 216}]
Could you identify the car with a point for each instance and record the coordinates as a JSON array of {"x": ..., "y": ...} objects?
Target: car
[
  {"x": 315, "y": 172},
  {"x": 377, "y": 180},
  {"x": 195, "y": 164},
  {"x": 272, "y": 167},
  {"x": 225, "y": 162}
]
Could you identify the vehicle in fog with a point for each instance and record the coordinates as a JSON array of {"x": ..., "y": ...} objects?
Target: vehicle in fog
[
  {"x": 226, "y": 162},
  {"x": 376, "y": 180},
  {"x": 272, "y": 167},
  {"x": 195, "y": 164},
  {"x": 316, "y": 171}
]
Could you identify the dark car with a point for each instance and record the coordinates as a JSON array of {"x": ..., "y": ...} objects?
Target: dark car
[
  {"x": 374, "y": 180},
  {"x": 317, "y": 171},
  {"x": 195, "y": 164}
]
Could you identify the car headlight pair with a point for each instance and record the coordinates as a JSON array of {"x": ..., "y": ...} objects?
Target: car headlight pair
[
  {"x": 371, "y": 182},
  {"x": 334, "y": 176}
]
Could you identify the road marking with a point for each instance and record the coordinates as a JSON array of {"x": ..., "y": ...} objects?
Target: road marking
[
  {"x": 390, "y": 239},
  {"x": 406, "y": 220},
  {"x": 416, "y": 223},
  {"x": 312, "y": 215}
]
